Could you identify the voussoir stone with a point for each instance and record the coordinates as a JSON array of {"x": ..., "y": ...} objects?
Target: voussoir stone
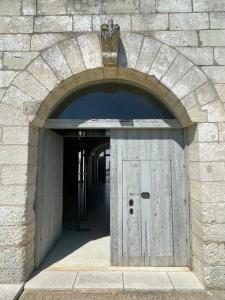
[
  {"x": 43, "y": 73},
  {"x": 56, "y": 60},
  {"x": 91, "y": 50}
]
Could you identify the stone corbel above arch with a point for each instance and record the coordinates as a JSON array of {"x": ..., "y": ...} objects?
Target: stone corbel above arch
[{"x": 110, "y": 39}]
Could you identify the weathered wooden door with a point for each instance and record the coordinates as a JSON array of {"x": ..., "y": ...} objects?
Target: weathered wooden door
[
  {"x": 149, "y": 199},
  {"x": 49, "y": 193}
]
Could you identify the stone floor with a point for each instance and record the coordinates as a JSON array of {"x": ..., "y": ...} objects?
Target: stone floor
[{"x": 91, "y": 248}]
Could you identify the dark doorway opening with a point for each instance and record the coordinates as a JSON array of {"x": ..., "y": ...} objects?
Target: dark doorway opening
[{"x": 85, "y": 239}]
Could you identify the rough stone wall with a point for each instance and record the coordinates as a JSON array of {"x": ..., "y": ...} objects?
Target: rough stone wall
[{"x": 195, "y": 28}]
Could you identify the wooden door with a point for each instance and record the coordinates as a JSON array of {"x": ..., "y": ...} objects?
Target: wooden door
[
  {"x": 149, "y": 203},
  {"x": 49, "y": 193}
]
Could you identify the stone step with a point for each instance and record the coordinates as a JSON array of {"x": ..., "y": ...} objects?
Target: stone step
[
  {"x": 120, "y": 295},
  {"x": 107, "y": 285}
]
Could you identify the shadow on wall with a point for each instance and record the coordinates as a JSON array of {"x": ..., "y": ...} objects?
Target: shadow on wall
[{"x": 122, "y": 57}]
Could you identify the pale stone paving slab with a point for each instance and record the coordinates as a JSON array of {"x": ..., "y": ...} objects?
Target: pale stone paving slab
[
  {"x": 99, "y": 280},
  {"x": 146, "y": 281},
  {"x": 52, "y": 280},
  {"x": 10, "y": 291},
  {"x": 185, "y": 281}
]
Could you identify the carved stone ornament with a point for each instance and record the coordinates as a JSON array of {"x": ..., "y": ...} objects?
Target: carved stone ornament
[{"x": 110, "y": 38}]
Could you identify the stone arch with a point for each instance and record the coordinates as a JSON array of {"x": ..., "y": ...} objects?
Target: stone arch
[
  {"x": 159, "y": 68},
  {"x": 144, "y": 61}
]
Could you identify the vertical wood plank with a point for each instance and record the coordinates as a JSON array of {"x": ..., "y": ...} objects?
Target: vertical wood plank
[{"x": 48, "y": 203}]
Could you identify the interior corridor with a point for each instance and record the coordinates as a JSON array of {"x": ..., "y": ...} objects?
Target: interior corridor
[{"x": 89, "y": 246}]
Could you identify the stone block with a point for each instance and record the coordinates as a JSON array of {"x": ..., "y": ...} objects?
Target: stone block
[
  {"x": 15, "y": 135},
  {"x": 214, "y": 232},
  {"x": 189, "y": 101},
  {"x": 53, "y": 7},
  {"x": 16, "y": 97},
  {"x": 6, "y": 77},
  {"x": 45, "y": 40},
  {"x": 220, "y": 88},
  {"x": 53, "y": 24},
  {"x": 183, "y": 281},
  {"x": 16, "y": 235},
  {"x": 163, "y": 60},
  {"x": 17, "y": 195},
  {"x": 199, "y": 56},
  {"x": 29, "y": 7},
  {"x": 117, "y": 6},
  {"x": 208, "y": 5},
  {"x": 179, "y": 67},
  {"x": 14, "y": 154},
  {"x": 12, "y": 7},
  {"x": 213, "y": 213},
  {"x": 71, "y": 51},
  {"x": 208, "y": 132},
  {"x": 57, "y": 62},
  {"x": 189, "y": 21},
  {"x": 217, "y": 20},
  {"x": 82, "y": 23},
  {"x": 189, "y": 82},
  {"x": 219, "y": 55},
  {"x": 147, "y": 55},
  {"x": 15, "y": 215},
  {"x": 2, "y": 92},
  {"x": 11, "y": 116},
  {"x": 124, "y": 21},
  {"x": 84, "y": 7},
  {"x": 18, "y": 174},
  {"x": 14, "y": 256},
  {"x": 14, "y": 42},
  {"x": 18, "y": 60},
  {"x": 207, "y": 171},
  {"x": 1, "y": 56},
  {"x": 164, "y": 6},
  {"x": 205, "y": 94},
  {"x": 178, "y": 38},
  {"x": 146, "y": 281},
  {"x": 99, "y": 280},
  {"x": 212, "y": 151},
  {"x": 216, "y": 112},
  {"x": 213, "y": 191},
  {"x": 11, "y": 291},
  {"x": 57, "y": 280},
  {"x": 212, "y": 37},
  {"x": 16, "y": 24},
  {"x": 214, "y": 277},
  {"x": 42, "y": 72},
  {"x": 29, "y": 85},
  {"x": 147, "y": 6},
  {"x": 214, "y": 253},
  {"x": 149, "y": 22},
  {"x": 90, "y": 50},
  {"x": 215, "y": 73}
]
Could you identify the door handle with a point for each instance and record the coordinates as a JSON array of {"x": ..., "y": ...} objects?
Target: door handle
[{"x": 145, "y": 195}]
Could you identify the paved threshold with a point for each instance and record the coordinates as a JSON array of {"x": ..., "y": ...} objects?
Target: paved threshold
[{"x": 118, "y": 285}]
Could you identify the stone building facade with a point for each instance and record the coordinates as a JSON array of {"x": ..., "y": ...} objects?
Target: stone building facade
[{"x": 174, "y": 48}]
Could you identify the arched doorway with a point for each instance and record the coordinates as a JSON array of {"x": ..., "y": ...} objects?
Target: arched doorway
[{"x": 149, "y": 205}]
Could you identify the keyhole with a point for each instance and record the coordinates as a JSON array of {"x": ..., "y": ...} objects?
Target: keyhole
[
  {"x": 131, "y": 202},
  {"x": 131, "y": 211}
]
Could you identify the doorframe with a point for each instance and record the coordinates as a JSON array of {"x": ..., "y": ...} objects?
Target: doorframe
[{"x": 124, "y": 124}]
